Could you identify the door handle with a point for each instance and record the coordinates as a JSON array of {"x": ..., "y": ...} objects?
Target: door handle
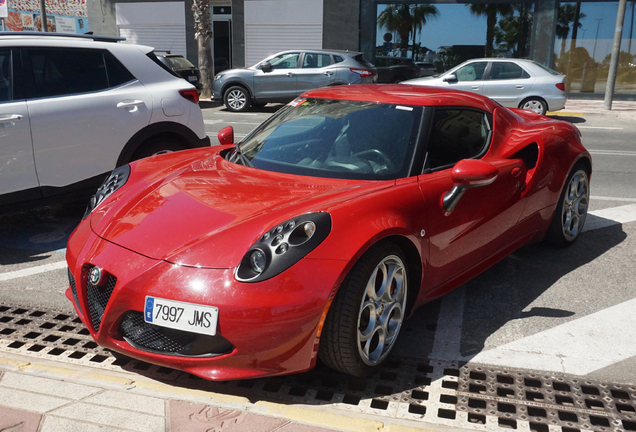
[
  {"x": 290, "y": 74},
  {"x": 475, "y": 87},
  {"x": 328, "y": 73},
  {"x": 130, "y": 104},
  {"x": 519, "y": 86},
  {"x": 515, "y": 171},
  {"x": 10, "y": 118}
]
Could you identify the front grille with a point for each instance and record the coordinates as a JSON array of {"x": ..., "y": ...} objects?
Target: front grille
[
  {"x": 97, "y": 298},
  {"x": 71, "y": 281},
  {"x": 149, "y": 337}
]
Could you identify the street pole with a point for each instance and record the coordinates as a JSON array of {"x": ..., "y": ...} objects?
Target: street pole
[
  {"x": 598, "y": 24},
  {"x": 43, "y": 18},
  {"x": 616, "y": 50}
]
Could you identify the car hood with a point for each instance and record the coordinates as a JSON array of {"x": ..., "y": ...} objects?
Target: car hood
[{"x": 209, "y": 213}]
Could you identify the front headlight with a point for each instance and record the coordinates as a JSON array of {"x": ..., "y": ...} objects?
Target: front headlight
[
  {"x": 114, "y": 181},
  {"x": 283, "y": 246},
  {"x": 218, "y": 77}
]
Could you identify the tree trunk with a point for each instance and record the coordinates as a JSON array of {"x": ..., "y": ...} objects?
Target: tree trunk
[
  {"x": 203, "y": 35},
  {"x": 491, "y": 22}
]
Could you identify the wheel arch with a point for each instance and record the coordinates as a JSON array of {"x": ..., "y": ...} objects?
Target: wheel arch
[
  {"x": 235, "y": 84},
  {"x": 172, "y": 130},
  {"x": 525, "y": 99}
]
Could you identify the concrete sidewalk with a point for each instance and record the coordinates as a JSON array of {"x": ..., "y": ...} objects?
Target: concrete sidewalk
[
  {"x": 581, "y": 108},
  {"x": 45, "y": 396}
]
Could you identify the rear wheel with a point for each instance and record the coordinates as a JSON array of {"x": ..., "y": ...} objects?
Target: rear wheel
[
  {"x": 156, "y": 146},
  {"x": 365, "y": 318},
  {"x": 236, "y": 99},
  {"x": 535, "y": 104},
  {"x": 571, "y": 212}
]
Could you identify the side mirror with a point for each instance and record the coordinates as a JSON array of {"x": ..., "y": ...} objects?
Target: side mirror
[
  {"x": 267, "y": 67},
  {"x": 451, "y": 77},
  {"x": 226, "y": 135},
  {"x": 468, "y": 173}
]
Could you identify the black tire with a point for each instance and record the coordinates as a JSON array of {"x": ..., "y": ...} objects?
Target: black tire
[
  {"x": 156, "y": 146},
  {"x": 571, "y": 211},
  {"x": 353, "y": 313},
  {"x": 535, "y": 104},
  {"x": 236, "y": 99}
]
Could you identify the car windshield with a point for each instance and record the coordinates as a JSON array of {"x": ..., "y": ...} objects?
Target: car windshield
[
  {"x": 337, "y": 139},
  {"x": 179, "y": 63}
]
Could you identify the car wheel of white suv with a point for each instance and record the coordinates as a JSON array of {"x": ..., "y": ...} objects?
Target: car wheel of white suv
[{"x": 155, "y": 146}]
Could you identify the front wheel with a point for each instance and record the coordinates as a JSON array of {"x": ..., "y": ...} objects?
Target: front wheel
[
  {"x": 535, "y": 104},
  {"x": 365, "y": 318},
  {"x": 571, "y": 212},
  {"x": 157, "y": 146},
  {"x": 236, "y": 99}
]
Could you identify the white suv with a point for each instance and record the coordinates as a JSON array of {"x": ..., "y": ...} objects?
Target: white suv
[{"x": 73, "y": 108}]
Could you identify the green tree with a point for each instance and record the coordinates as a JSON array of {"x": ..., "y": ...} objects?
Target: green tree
[
  {"x": 203, "y": 34},
  {"x": 565, "y": 18},
  {"x": 406, "y": 20},
  {"x": 490, "y": 11},
  {"x": 513, "y": 31}
]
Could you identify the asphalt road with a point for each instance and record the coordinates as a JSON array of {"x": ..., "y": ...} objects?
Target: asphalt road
[{"x": 544, "y": 309}]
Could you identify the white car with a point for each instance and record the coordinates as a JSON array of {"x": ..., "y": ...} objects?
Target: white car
[
  {"x": 514, "y": 83},
  {"x": 73, "y": 108}
]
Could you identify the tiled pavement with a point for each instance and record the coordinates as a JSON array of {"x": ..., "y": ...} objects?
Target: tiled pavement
[{"x": 580, "y": 107}]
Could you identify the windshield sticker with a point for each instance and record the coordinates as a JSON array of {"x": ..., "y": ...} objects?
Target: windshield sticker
[
  {"x": 405, "y": 108},
  {"x": 297, "y": 102}
]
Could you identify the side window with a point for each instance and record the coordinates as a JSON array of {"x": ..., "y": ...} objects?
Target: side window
[
  {"x": 337, "y": 59},
  {"x": 285, "y": 61},
  {"x": 507, "y": 70},
  {"x": 313, "y": 60},
  {"x": 471, "y": 72},
  {"x": 115, "y": 71},
  {"x": 456, "y": 134},
  {"x": 61, "y": 71},
  {"x": 6, "y": 82}
]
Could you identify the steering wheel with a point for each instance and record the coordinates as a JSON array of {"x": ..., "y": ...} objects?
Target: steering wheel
[{"x": 375, "y": 152}]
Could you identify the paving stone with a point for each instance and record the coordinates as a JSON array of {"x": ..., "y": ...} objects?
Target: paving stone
[
  {"x": 18, "y": 420},
  {"x": 47, "y": 386},
  {"x": 192, "y": 417},
  {"x": 129, "y": 401},
  {"x": 112, "y": 417},
  {"x": 31, "y": 401},
  {"x": 58, "y": 424}
]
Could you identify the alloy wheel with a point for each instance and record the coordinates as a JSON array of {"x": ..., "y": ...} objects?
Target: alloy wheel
[
  {"x": 534, "y": 105},
  {"x": 236, "y": 99},
  {"x": 575, "y": 204},
  {"x": 382, "y": 310}
]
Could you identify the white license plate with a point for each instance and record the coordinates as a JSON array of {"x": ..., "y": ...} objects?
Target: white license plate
[
  {"x": 181, "y": 316},
  {"x": 192, "y": 78}
]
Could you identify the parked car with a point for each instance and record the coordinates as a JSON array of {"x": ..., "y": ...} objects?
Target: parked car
[
  {"x": 395, "y": 69},
  {"x": 182, "y": 67},
  {"x": 320, "y": 232},
  {"x": 283, "y": 76},
  {"x": 74, "y": 107},
  {"x": 514, "y": 83},
  {"x": 426, "y": 69}
]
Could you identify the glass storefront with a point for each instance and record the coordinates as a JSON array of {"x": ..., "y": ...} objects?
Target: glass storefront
[
  {"x": 583, "y": 46},
  {"x": 446, "y": 34}
]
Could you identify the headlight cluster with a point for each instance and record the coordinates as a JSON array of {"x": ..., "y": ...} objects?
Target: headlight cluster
[
  {"x": 218, "y": 77},
  {"x": 283, "y": 246},
  {"x": 114, "y": 181}
]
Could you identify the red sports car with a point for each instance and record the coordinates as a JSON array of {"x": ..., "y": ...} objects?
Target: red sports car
[{"x": 318, "y": 234}]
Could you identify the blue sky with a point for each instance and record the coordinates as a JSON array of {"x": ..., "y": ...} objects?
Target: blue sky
[{"x": 455, "y": 25}]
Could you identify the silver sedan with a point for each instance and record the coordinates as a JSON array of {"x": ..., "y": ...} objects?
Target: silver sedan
[{"x": 514, "y": 83}]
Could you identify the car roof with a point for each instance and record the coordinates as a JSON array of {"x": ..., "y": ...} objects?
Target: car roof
[
  {"x": 69, "y": 40},
  {"x": 345, "y": 52},
  {"x": 48, "y": 35},
  {"x": 404, "y": 94}
]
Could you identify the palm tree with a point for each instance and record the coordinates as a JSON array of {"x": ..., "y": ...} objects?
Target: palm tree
[
  {"x": 203, "y": 34},
  {"x": 406, "y": 20},
  {"x": 512, "y": 32},
  {"x": 490, "y": 10},
  {"x": 565, "y": 17}
]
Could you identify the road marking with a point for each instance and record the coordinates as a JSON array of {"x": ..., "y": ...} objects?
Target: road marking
[
  {"x": 599, "y": 127},
  {"x": 613, "y": 152},
  {"x": 603, "y": 198},
  {"x": 451, "y": 316},
  {"x": 577, "y": 347},
  {"x": 32, "y": 271}
]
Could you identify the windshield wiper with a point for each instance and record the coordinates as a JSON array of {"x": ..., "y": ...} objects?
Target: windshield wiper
[{"x": 238, "y": 157}]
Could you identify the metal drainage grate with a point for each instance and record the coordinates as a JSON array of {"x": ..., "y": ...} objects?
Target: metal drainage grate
[{"x": 446, "y": 393}]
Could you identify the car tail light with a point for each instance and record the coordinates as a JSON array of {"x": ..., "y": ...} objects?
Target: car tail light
[
  {"x": 190, "y": 95},
  {"x": 561, "y": 86},
  {"x": 362, "y": 72}
]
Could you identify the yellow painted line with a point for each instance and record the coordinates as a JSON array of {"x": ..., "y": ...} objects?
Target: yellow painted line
[
  {"x": 218, "y": 397},
  {"x": 565, "y": 113},
  {"x": 321, "y": 418}
]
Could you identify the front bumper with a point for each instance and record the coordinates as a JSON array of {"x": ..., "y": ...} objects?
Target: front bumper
[{"x": 265, "y": 328}]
